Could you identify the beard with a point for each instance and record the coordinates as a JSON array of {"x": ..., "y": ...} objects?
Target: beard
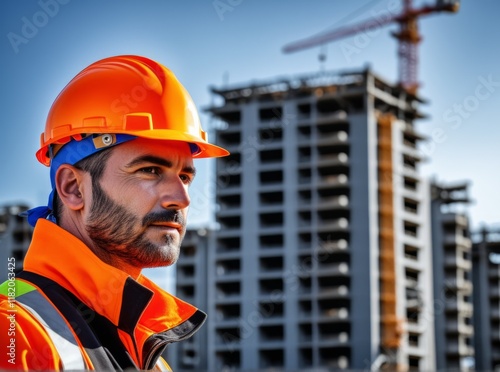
[{"x": 113, "y": 230}]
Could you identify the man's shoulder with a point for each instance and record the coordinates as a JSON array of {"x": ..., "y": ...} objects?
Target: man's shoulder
[{"x": 29, "y": 343}]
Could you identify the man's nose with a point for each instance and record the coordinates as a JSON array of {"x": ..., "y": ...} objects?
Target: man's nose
[{"x": 175, "y": 194}]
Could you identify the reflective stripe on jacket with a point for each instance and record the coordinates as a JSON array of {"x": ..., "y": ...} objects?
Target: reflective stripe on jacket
[{"x": 49, "y": 318}]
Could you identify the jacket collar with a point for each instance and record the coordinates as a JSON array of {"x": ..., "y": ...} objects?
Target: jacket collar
[{"x": 130, "y": 305}]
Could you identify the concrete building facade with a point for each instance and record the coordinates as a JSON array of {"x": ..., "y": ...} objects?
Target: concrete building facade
[
  {"x": 192, "y": 287},
  {"x": 452, "y": 263},
  {"x": 15, "y": 237},
  {"x": 486, "y": 297},
  {"x": 323, "y": 254}
]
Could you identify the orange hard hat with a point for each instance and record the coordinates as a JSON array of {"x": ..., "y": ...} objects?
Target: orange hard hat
[{"x": 129, "y": 95}]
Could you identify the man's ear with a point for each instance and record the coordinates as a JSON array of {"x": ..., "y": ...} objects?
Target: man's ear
[{"x": 69, "y": 185}]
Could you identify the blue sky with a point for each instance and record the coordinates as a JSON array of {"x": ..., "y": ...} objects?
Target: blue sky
[{"x": 205, "y": 42}]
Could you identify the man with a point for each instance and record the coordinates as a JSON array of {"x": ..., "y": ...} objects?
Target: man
[{"x": 120, "y": 141}]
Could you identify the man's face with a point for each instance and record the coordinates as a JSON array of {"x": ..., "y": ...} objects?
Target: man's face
[{"x": 139, "y": 206}]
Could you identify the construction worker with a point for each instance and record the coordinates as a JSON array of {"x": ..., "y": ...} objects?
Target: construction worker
[{"x": 120, "y": 140}]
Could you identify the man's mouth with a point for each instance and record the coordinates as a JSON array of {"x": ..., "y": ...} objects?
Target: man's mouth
[{"x": 171, "y": 226}]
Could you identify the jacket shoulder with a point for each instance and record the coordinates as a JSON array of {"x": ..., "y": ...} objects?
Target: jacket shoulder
[{"x": 29, "y": 345}]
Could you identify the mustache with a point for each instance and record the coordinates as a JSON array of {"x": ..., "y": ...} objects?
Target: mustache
[{"x": 168, "y": 215}]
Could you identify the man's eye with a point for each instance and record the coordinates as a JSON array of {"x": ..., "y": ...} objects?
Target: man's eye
[
  {"x": 186, "y": 179},
  {"x": 151, "y": 170}
]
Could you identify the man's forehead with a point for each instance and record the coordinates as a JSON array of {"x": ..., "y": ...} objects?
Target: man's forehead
[
  {"x": 168, "y": 150},
  {"x": 156, "y": 146}
]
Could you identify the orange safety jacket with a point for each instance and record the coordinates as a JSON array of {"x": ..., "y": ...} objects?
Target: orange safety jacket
[{"x": 67, "y": 293}]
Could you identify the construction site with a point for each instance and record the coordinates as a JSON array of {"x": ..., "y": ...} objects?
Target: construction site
[{"x": 332, "y": 251}]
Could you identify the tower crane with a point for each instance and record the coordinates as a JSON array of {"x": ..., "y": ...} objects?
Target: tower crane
[{"x": 408, "y": 37}]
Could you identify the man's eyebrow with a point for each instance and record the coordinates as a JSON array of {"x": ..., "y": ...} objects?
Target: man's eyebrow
[{"x": 159, "y": 161}]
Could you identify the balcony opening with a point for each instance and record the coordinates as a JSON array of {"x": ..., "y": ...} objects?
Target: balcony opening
[
  {"x": 228, "y": 289},
  {"x": 230, "y": 117},
  {"x": 228, "y": 244},
  {"x": 304, "y": 110},
  {"x": 305, "y": 283},
  {"x": 230, "y": 201},
  {"x": 186, "y": 290},
  {"x": 273, "y": 263},
  {"x": 409, "y": 140},
  {"x": 228, "y": 360},
  {"x": 227, "y": 267},
  {"x": 228, "y": 335},
  {"x": 304, "y": 154},
  {"x": 332, "y": 283},
  {"x": 271, "y": 156},
  {"x": 230, "y": 163},
  {"x": 331, "y": 172},
  {"x": 412, "y": 316},
  {"x": 305, "y": 307},
  {"x": 228, "y": 312},
  {"x": 305, "y": 176},
  {"x": 305, "y": 217},
  {"x": 229, "y": 180},
  {"x": 18, "y": 255},
  {"x": 410, "y": 162},
  {"x": 273, "y": 309},
  {"x": 271, "y": 198},
  {"x": 331, "y": 215},
  {"x": 270, "y": 135},
  {"x": 412, "y": 276},
  {"x": 271, "y": 219},
  {"x": 413, "y": 339},
  {"x": 305, "y": 332},
  {"x": 410, "y": 183},
  {"x": 411, "y": 205},
  {"x": 273, "y": 358},
  {"x": 22, "y": 236},
  {"x": 271, "y": 333},
  {"x": 335, "y": 331},
  {"x": 304, "y": 131},
  {"x": 411, "y": 252},
  {"x": 334, "y": 308},
  {"x": 410, "y": 229},
  {"x": 269, "y": 286},
  {"x": 305, "y": 357},
  {"x": 229, "y": 138},
  {"x": 305, "y": 240},
  {"x": 414, "y": 363},
  {"x": 187, "y": 271},
  {"x": 230, "y": 222},
  {"x": 271, "y": 177},
  {"x": 271, "y": 241},
  {"x": 328, "y": 106},
  {"x": 334, "y": 357},
  {"x": 305, "y": 195},
  {"x": 188, "y": 250},
  {"x": 271, "y": 113},
  {"x": 355, "y": 103}
]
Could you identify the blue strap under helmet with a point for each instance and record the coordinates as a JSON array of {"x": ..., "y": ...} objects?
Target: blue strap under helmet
[{"x": 71, "y": 153}]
